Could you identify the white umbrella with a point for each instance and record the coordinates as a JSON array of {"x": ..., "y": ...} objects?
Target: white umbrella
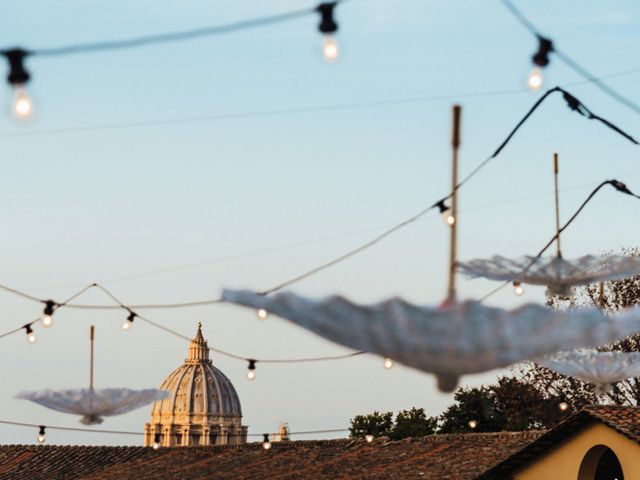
[
  {"x": 556, "y": 273},
  {"x": 603, "y": 369},
  {"x": 94, "y": 404},
  {"x": 450, "y": 341}
]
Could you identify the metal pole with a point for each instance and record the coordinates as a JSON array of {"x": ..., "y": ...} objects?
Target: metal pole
[
  {"x": 91, "y": 337},
  {"x": 455, "y": 143},
  {"x": 555, "y": 177}
]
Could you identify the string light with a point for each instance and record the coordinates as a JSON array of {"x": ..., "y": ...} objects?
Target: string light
[
  {"x": 445, "y": 211},
  {"x": 563, "y": 406},
  {"x": 369, "y": 436},
  {"x": 47, "y": 313},
  {"x": 22, "y": 107},
  {"x": 266, "y": 444},
  {"x": 517, "y": 288},
  {"x": 472, "y": 424},
  {"x": 128, "y": 323},
  {"x": 251, "y": 370},
  {"x": 262, "y": 314},
  {"x": 156, "y": 441},
  {"x": 328, "y": 27},
  {"x": 388, "y": 363},
  {"x": 31, "y": 337},
  {"x": 540, "y": 59},
  {"x": 41, "y": 434}
]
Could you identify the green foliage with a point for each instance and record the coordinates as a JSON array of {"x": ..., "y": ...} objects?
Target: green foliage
[
  {"x": 477, "y": 404},
  {"x": 377, "y": 424},
  {"x": 413, "y": 423}
]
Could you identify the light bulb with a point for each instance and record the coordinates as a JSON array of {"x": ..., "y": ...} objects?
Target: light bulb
[
  {"x": 330, "y": 48},
  {"x": 388, "y": 363},
  {"x": 156, "y": 441},
  {"x": 251, "y": 372},
  {"x": 41, "y": 434},
  {"x": 156, "y": 445},
  {"x": 517, "y": 288},
  {"x": 563, "y": 406},
  {"x": 266, "y": 444},
  {"x": 534, "y": 81},
  {"x": 473, "y": 424},
  {"x": 128, "y": 323},
  {"x": 448, "y": 218},
  {"x": 31, "y": 337},
  {"x": 368, "y": 437},
  {"x": 22, "y": 105},
  {"x": 46, "y": 320},
  {"x": 262, "y": 314}
]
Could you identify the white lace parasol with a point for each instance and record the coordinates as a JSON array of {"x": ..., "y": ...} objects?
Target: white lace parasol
[
  {"x": 449, "y": 342},
  {"x": 603, "y": 369},
  {"x": 94, "y": 404},
  {"x": 558, "y": 274}
]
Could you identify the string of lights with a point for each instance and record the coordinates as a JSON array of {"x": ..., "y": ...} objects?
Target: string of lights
[
  {"x": 541, "y": 59},
  {"x": 42, "y": 430},
  {"x": 19, "y": 76},
  {"x": 572, "y": 102},
  {"x": 617, "y": 185}
]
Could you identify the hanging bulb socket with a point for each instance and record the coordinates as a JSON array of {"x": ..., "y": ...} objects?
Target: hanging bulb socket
[
  {"x": 445, "y": 211},
  {"x": 41, "y": 434},
  {"x": 47, "y": 313},
  {"x": 251, "y": 370},
  {"x": 369, "y": 436},
  {"x": 128, "y": 323},
  {"x": 327, "y": 23},
  {"x": 18, "y": 75},
  {"x": 266, "y": 443},
  {"x": 517, "y": 288},
  {"x": 156, "y": 441},
  {"x": 541, "y": 57},
  {"x": 31, "y": 337}
]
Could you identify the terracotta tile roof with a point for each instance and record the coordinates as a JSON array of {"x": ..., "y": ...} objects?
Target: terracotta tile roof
[
  {"x": 625, "y": 420},
  {"x": 442, "y": 457}
]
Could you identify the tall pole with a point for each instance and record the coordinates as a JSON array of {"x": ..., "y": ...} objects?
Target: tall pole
[
  {"x": 555, "y": 179},
  {"x": 91, "y": 337},
  {"x": 455, "y": 143}
]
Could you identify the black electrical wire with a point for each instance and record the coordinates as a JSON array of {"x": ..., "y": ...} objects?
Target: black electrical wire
[
  {"x": 574, "y": 104},
  {"x": 570, "y": 62},
  {"x": 619, "y": 186},
  {"x": 169, "y": 37},
  {"x": 124, "y": 432}
]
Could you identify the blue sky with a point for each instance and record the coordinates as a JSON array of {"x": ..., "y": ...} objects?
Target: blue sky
[{"x": 91, "y": 205}]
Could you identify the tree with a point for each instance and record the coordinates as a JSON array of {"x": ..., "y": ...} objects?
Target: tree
[
  {"x": 377, "y": 424},
  {"x": 472, "y": 404},
  {"x": 413, "y": 423},
  {"x": 610, "y": 297}
]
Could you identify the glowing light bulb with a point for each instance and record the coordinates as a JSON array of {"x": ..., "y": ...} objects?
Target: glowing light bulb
[
  {"x": 266, "y": 444},
  {"x": 156, "y": 445},
  {"x": 46, "y": 320},
  {"x": 473, "y": 424},
  {"x": 563, "y": 406},
  {"x": 448, "y": 218},
  {"x": 262, "y": 314},
  {"x": 31, "y": 337},
  {"x": 534, "y": 81},
  {"x": 41, "y": 435},
  {"x": 517, "y": 288},
  {"x": 251, "y": 372},
  {"x": 22, "y": 105},
  {"x": 156, "y": 441},
  {"x": 330, "y": 48},
  {"x": 368, "y": 437},
  {"x": 47, "y": 314},
  {"x": 388, "y": 363},
  {"x": 128, "y": 323}
]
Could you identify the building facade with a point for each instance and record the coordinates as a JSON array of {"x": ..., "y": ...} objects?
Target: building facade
[{"x": 203, "y": 408}]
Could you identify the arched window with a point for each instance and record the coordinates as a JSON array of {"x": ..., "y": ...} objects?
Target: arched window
[{"x": 600, "y": 463}]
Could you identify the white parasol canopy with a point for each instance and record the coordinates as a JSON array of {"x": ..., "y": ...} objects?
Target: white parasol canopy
[{"x": 449, "y": 341}]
